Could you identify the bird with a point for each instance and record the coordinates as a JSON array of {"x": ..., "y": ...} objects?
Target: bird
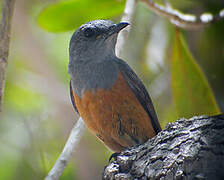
[{"x": 108, "y": 95}]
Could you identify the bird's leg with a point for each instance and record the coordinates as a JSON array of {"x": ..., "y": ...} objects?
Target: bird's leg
[{"x": 113, "y": 156}]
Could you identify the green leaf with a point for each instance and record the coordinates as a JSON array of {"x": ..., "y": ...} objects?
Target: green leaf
[
  {"x": 68, "y": 15},
  {"x": 191, "y": 92}
]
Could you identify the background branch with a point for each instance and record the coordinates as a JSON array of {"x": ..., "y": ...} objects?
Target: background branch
[
  {"x": 5, "y": 29},
  {"x": 69, "y": 148},
  {"x": 187, "y": 21},
  {"x": 127, "y": 17}
]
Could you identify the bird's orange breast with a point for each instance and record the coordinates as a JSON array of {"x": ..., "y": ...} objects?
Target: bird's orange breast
[{"x": 115, "y": 115}]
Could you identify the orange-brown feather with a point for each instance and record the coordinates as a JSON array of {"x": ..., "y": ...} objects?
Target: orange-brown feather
[{"x": 115, "y": 115}]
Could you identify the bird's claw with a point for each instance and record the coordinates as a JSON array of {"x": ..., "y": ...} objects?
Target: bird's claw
[{"x": 113, "y": 156}]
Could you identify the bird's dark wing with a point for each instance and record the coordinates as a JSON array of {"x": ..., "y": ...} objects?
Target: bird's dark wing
[
  {"x": 72, "y": 98},
  {"x": 140, "y": 92}
]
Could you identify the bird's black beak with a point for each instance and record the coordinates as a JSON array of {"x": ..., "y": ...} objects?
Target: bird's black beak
[
  {"x": 116, "y": 28},
  {"x": 120, "y": 26}
]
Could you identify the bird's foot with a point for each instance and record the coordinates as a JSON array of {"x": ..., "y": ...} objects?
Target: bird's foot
[{"x": 113, "y": 156}]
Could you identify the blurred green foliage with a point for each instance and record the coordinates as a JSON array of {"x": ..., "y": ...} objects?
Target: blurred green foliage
[
  {"x": 67, "y": 15},
  {"x": 191, "y": 91},
  {"x": 38, "y": 114}
]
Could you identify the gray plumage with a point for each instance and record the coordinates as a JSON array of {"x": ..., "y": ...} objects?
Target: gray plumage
[
  {"x": 93, "y": 64},
  {"x": 94, "y": 55}
]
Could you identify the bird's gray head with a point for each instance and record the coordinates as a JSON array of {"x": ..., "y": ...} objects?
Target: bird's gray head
[{"x": 93, "y": 41}]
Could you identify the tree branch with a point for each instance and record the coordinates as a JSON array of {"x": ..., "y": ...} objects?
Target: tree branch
[
  {"x": 69, "y": 148},
  {"x": 5, "y": 30},
  {"x": 187, "y": 21},
  {"x": 187, "y": 149},
  {"x": 127, "y": 17}
]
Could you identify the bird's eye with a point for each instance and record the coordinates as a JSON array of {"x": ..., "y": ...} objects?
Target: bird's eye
[{"x": 88, "y": 32}]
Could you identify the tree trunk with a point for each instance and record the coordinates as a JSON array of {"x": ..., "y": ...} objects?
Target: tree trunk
[{"x": 187, "y": 149}]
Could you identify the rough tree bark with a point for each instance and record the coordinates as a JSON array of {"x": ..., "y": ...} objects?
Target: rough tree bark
[
  {"x": 5, "y": 29},
  {"x": 187, "y": 149}
]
